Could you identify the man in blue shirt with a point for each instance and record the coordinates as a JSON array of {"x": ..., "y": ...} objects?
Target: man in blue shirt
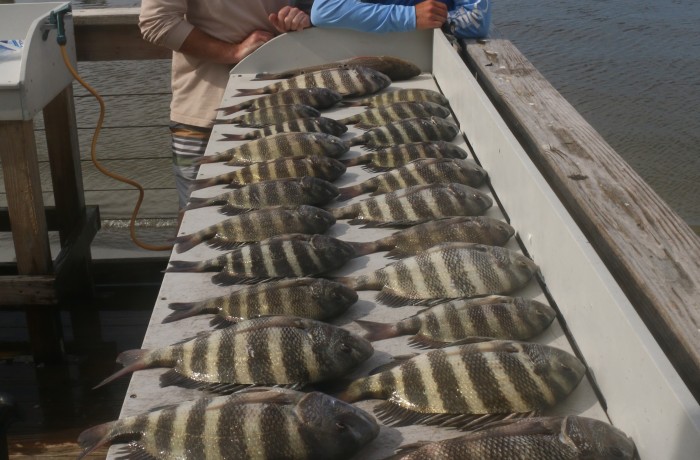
[{"x": 465, "y": 18}]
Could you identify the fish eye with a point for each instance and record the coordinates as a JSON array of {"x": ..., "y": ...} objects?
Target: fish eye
[
  {"x": 341, "y": 426},
  {"x": 345, "y": 348}
]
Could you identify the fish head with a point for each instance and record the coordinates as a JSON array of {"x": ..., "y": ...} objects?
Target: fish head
[
  {"x": 334, "y": 298},
  {"x": 523, "y": 267},
  {"x": 470, "y": 172},
  {"x": 377, "y": 79},
  {"x": 321, "y": 191},
  {"x": 562, "y": 370},
  {"x": 334, "y": 248},
  {"x": 464, "y": 192},
  {"x": 316, "y": 219},
  {"x": 536, "y": 313},
  {"x": 331, "y": 126},
  {"x": 331, "y": 168},
  {"x": 435, "y": 109},
  {"x": 345, "y": 351},
  {"x": 333, "y": 428},
  {"x": 596, "y": 439},
  {"x": 447, "y": 129},
  {"x": 499, "y": 230},
  {"x": 451, "y": 150},
  {"x": 333, "y": 146}
]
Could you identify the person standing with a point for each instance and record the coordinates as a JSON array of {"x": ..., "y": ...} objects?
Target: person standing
[{"x": 207, "y": 38}]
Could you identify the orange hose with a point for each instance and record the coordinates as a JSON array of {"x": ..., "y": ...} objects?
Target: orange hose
[{"x": 102, "y": 169}]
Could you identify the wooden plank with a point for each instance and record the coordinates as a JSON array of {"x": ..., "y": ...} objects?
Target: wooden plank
[
  {"x": 27, "y": 290},
  {"x": 651, "y": 251},
  {"x": 113, "y": 34}
]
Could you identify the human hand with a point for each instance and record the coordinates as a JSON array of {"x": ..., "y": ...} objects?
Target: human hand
[
  {"x": 430, "y": 14},
  {"x": 255, "y": 40},
  {"x": 289, "y": 19}
]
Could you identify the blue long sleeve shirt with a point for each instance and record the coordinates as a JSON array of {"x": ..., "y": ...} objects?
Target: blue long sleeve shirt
[{"x": 465, "y": 19}]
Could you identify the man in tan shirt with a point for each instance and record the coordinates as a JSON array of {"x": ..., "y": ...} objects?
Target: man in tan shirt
[{"x": 208, "y": 37}]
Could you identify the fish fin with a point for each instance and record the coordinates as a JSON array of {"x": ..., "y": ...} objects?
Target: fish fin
[
  {"x": 377, "y": 331},
  {"x": 423, "y": 342},
  {"x": 394, "y": 415},
  {"x": 397, "y": 253},
  {"x": 347, "y": 193},
  {"x": 134, "y": 451},
  {"x": 377, "y": 224},
  {"x": 187, "y": 266},
  {"x": 391, "y": 414},
  {"x": 220, "y": 243},
  {"x": 225, "y": 279},
  {"x": 372, "y": 148},
  {"x": 239, "y": 137},
  {"x": 371, "y": 167},
  {"x": 392, "y": 300},
  {"x": 185, "y": 310},
  {"x": 186, "y": 242},
  {"x": 274, "y": 321},
  {"x": 521, "y": 422},
  {"x": 233, "y": 210},
  {"x": 251, "y": 91},
  {"x": 132, "y": 360},
  {"x": 222, "y": 322},
  {"x": 465, "y": 341},
  {"x": 395, "y": 361},
  {"x": 94, "y": 438},
  {"x": 406, "y": 449}
]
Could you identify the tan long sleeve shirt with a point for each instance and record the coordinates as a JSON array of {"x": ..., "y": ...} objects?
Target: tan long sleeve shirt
[{"x": 199, "y": 85}]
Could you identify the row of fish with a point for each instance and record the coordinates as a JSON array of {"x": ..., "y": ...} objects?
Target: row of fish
[{"x": 478, "y": 376}]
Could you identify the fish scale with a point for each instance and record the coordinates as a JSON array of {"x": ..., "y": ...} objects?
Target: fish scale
[
  {"x": 378, "y": 116},
  {"x": 497, "y": 377},
  {"x": 401, "y": 95},
  {"x": 455, "y": 270},
  {"x": 302, "y": 125},
  {"x": 318, "y": 98},
  {"x": 272, "y": 115},
  {"x": 405, "y": 131},
  {"x": 384, "y": 159},
  {"x": 298, "y": 166}
]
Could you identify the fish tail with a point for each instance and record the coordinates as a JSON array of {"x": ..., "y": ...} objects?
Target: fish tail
[
  {"x": 377, "y": 331},
  {"x": 364, "y": 248},
  {"x": 196, "y": 203},
  {"x": 350, "y": 192},
  {"x": 235, "y": 108},
  {"x": 236, "y": 137},
  {"x": 186, "y": 242},
  {"x": 204, "y": 160},
  {"x": 203, "y": 183},
  {"x": 95, "y": 437},
  {"x": 358, "y": 160},
  {"x": 186, "y": 266},
  {"x": 340, "y": 213},
  {"x": 132, "y": 360},
  {"x": 348, "y": 281},
  {"x": 352, "y": 103},
  {"x": 250, "y": 91},
  {"x": 185, "y": 310}
]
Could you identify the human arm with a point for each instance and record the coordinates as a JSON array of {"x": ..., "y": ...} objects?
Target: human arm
[{"x": 394, "y": 16}]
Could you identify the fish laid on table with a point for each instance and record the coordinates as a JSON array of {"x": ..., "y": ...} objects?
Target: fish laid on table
[
  {"x": 318, "y": 98},
  {"x": 466, "y": 385},
  {"x": 415, "y": 205},
  {"x": 355, "y": 81},
  {"x": 274, "y": 350},
  {"x": 292, "y": 191},
  {"x": 282, "y": 145},
  {"x": 393, "y": 67},
  {"x": 447, "y": 271},
  {"x": 405, "y": 131},
  {"x": 325, "y": 168},
  {"x": 314, "y": 298},
  {"x": 258, "y": 225},
  {"x": 485, "y": 318},
  {"x": 399, "y": 155},
  {"x": 284, "y": 256},
  {"x": 412, "y": 240},
  {"x": 539, "y": 438},
  {"x": 379, "y": 116},
  {"x": 419, "y": 172},
  {"x": 298, "y": 125},
  {"x": 401, "y": 95},
  {"x": 272, "y": 116},
  {"x": 253, "y": 424}
]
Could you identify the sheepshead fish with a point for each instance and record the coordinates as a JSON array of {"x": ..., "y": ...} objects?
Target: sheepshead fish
[
  {"x": 405, "y": 131},
  {"x": 272, "y": 115},
  {"x": 282, "y": 145},
  {"x": 256, "y": 423},
  {"x": 466, "y": 385},
  {"x": 314, "y": 298},
  {"x": 274, "y": 350},
  {"x": 325, "y": 168},
  {"x": 412, "y": 240},
  {"x": 415, "y": 205},
  {"x": 379, "y": 116},
  {"x": 393, "y": 67},
  {"x": 318, "y": 98},
  {"x": 355, "y": 81},
  {"x": 447, "y": 271},
  {"x": 543, "y": 438},
  {"x": 485, "y": 318},
  {"x": 299, "y": 125},
  {"x": 399, "y": 155},
  {"x": 284, "y": 256},
  {"x": 419, "y": 172},
  {"x": 257, "y": 226},
  {"x": 401, "y": 95},
  {"x": 292, "y": 191}
]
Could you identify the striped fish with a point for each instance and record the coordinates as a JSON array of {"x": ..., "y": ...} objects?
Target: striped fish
[
  {"x": 465, "y": 385},
  {"x": 325, "y": 168},
  {"x": 356, "y": 81},
  {"x": 419, "y": 172},
  {"x": 283, "y": 256},
  {"x": 414, "y": 205},
  {"x": 298, "y": 125},
  {"x": 405, "y": 131},
  {"x": 293, "y": 191},
  {"x": 272, "y": 115},
  {"x": 485, "y": 318},
  {"x": 412, "y": 240},
  {"x": 379, "y": 116},
  {"x": 543, "y": 438},
  {"x": 257, "y": 226},
  {"x": 447, "y": 271},
  {"x": 393, "y": 67},
  {"x": 399, "y": 155},
  {"x": 282, "y": 145},
  {"x": 252, "y": 425},
  {"x": 314, "y": 298},
  {"x": 318, "y": 98},
  {"x": 401, "y": 95},
  {"x": 274, "y": 350}
]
